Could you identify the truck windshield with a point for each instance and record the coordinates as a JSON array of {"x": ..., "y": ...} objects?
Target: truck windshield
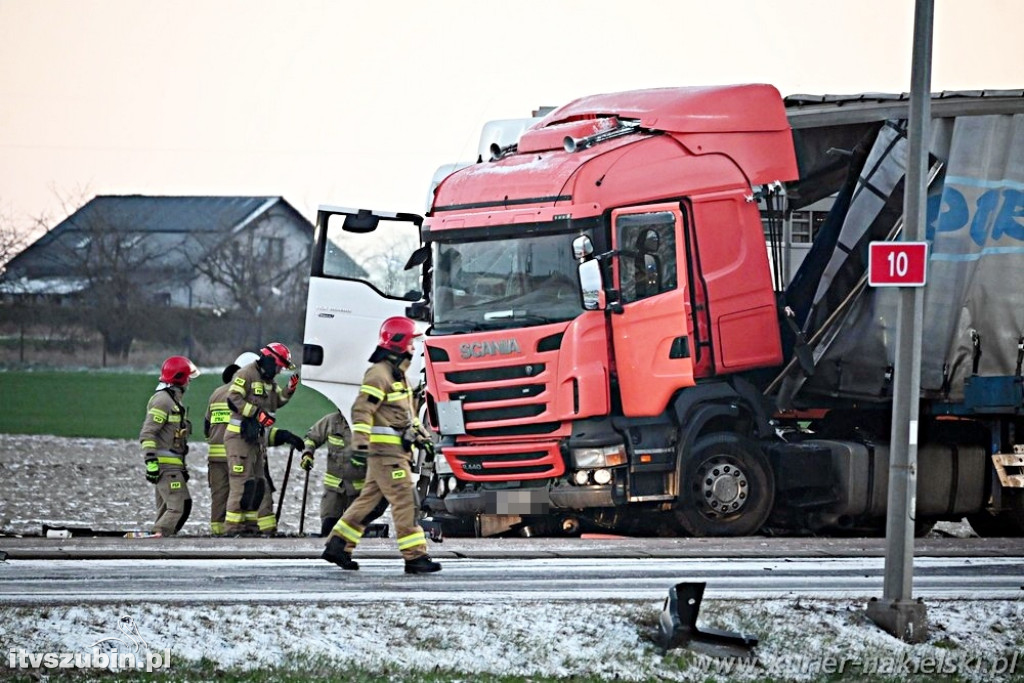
[{"x": 501, "y": 283}]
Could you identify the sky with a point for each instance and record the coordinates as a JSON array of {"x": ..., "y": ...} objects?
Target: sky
[{"x": 357, "y": 103}]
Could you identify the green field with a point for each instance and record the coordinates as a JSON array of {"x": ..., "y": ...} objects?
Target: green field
[{"x": 112, "y": 404}]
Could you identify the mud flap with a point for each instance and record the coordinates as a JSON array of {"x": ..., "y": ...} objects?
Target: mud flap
[{"x": 677, "y": 626}]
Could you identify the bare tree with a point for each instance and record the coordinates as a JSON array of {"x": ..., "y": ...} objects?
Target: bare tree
[
  {"x": 256, "y": 278},
  {"x": 386, "y": 264},
  {"x": 114, "y": 261},
  {"x": 12, "y": 238}
]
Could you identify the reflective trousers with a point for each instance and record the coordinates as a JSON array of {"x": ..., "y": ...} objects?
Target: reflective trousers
[
  {"x": 388, "y": 477},
  {"x": 217, "y": 478},
  {"x": 173, "y": 503}
]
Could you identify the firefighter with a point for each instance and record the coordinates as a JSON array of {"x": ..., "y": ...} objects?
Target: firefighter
[
  {"x": 218, "y": 413},
  {"x": 346, "y": 470},
  {"x": 252, "y": 400},
  {"x": 385, "y": 429},
  {"x": 164, "y": 440}
]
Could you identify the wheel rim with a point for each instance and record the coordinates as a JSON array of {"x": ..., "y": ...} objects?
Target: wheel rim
[{"x": 722, "y": 485}]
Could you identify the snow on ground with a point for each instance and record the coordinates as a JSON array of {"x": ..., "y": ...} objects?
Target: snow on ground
[
  {"x": 99, "y": 484},
  {"x": 799, "y": 639}
]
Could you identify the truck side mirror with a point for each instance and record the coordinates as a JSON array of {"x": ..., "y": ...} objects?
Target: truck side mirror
[
  {"x": 418, "y": 310},
  {"x": 364, "y": 221},
  {"x": 582, "y": 247},
  {"x": 591, "y": 284},
  {"x": 418, "y": 257}
]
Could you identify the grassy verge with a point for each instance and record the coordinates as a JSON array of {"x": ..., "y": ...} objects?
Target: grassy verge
[
  {"x": 111, "y": 405},
  {"x": 296, "y": 673}
]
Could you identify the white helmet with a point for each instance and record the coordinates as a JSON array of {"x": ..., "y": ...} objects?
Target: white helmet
[
  {"x": 241, "y": 361},
  {"x": 245, "y": 358}
]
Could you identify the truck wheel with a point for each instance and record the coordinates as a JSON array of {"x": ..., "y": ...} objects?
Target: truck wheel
[{"x": 727, "y": 488}]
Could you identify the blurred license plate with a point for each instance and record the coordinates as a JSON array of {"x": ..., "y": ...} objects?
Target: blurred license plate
[{"x": 518, "y": 502}]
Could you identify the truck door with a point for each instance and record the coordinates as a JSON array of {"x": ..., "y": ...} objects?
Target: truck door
[
  {"x": 652, "y": 340},
  {"x": 357, "y": 280}
]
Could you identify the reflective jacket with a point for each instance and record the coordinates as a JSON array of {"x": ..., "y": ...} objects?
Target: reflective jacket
[
  {"x": 343, "y": 466},
  {"x": 248, "y": 394},
  {"x": 166, "y": 428},
  {"x": 382, "y": 412},
  {"x": 218, "y": 414}
]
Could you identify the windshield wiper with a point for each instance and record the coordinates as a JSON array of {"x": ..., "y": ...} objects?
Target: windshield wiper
[
  {"x": 511, "y": 318},
  {"x": 458, "y": 326}
]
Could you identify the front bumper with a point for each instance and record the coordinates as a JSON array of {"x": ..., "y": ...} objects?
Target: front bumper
[{"x": 529, "y": 501}]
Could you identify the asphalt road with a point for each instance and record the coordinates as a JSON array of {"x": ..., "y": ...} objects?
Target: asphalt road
[{"x": 32, "y": 582}]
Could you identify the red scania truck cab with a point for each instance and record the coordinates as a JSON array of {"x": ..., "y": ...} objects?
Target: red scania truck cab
[{"x": 548, "y": 400}]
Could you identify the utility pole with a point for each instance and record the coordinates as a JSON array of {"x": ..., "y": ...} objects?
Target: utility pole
[{"x": 897, "y": 612}]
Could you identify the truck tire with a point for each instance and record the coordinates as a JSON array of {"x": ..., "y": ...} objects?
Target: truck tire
[{"x": 727, "y": 488}]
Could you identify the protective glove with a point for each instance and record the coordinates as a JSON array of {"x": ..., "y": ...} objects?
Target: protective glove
[
  {"x": 427, "y": 446},
  {"x": 409, "y": 438},
  {"x": 152, "y": 469},
  {"x": 357, "y": 460},
  {"x": 307, "y": 461},
  {"x": 293, "y": 383},
  {"x": 184, "y": 475},
  {"x": 265, "y": 419}
]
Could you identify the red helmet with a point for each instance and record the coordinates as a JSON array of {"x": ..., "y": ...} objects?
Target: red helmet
[
  {"x": 280, "y": 353},
  {"x": 178, "y": 370},
  {"x": 397, "y": 335}
]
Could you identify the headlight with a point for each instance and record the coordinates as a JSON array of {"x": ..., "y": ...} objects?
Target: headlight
[
  {"x": 441, "y": 465},
  {"x": 580, "y": 477},
  {"x": 591, "y": 458},
  {"x": 602, "y": 476}
]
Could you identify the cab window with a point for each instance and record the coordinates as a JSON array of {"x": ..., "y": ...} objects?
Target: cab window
[
  {"x": 377, "y": 258},
  {"x": 647, "y": 263}
]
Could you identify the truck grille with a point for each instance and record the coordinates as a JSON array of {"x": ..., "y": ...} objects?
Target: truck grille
[
  {"x": 499, "y": 394},
  {"x": 506, "y": 461},
  {"x": 495, "y": 374},
  {"x": 505, "y": 405},
  {"x": 507, "y": 413}
]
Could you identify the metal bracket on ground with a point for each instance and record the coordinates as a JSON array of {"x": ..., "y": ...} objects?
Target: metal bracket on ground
[{"x": 677, "y": 626}]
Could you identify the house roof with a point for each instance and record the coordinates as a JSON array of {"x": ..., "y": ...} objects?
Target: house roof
[{"x": 170, "y": 231}]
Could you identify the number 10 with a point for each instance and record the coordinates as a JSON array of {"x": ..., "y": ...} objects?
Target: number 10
[{"x": 899, "y": 263}]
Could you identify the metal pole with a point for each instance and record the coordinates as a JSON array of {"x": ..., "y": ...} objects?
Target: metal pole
[
  {"x": 897, "y": 613},
  {"x": 302, "y": 513},
  {"x": 284, "y": 485}
]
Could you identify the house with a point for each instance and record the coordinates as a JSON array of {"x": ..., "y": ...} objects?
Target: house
[{"x": 196, "y": 252}]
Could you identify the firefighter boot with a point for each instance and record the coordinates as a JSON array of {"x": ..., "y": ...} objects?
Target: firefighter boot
[
  {"x": 422, "y": 565},
  {"x": 335, "y": 552}
]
